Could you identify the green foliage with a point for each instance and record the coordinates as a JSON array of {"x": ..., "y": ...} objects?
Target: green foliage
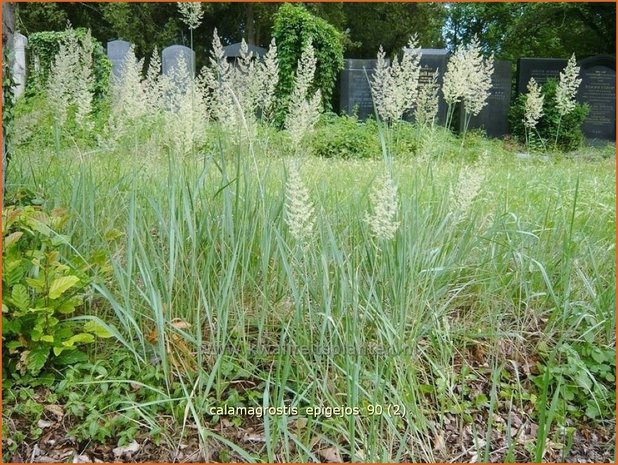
[
  {"x": 7, "y": 102},
  {"x": 515, "y": 29},
  {"x": 40, "y": 294},
  {"x": 43, "y": 47},
  {"x": 347, "y": 137},
  {"x": 586, "y": 374},
  {"x": 93, "y": 403},
  {"x": 570, "y": 135},
  {"x": 293, "y": 28},
  {"x": 344, "y": 137}
]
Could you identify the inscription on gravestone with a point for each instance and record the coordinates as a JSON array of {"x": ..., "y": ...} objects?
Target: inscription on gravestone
[
  {"x": 355, "y": 94},
  {"x": 171, "y": 55},
  {"x": 493, "y": 118},
  {"x": 598, "y": 90},
  {"x": 541, "y": 69},
  {"x": 116, "y": 52}
]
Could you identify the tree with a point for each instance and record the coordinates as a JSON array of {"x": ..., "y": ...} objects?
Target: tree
[
  {"x": 391, "y": 25},
  {"x": 512, "y": 30}
]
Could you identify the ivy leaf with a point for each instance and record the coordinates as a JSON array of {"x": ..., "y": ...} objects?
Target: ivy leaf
[
  {"x": 36, "y": 359},
  {"x": 61, "y": 285}
]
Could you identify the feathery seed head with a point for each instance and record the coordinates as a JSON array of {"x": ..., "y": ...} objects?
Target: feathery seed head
[
  {"x": 533, "y": 110},
  {"x": 191, "y": 13},
  {"x": 468, "y": 186},
  {"x": 304, "y": 109},
  {"x": 427, "y": 105},
  {"x": 567, "y": 87},
  {"x": 394, "y": 87},
  {"x": 299, "y": 208},
  {"x": 468, "y": 77},
  {"x": 71, "y": 80},
  {"x": 384, "y": 205}
]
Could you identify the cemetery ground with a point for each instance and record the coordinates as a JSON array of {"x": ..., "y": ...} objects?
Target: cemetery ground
[{"x": 483, "y": 331}]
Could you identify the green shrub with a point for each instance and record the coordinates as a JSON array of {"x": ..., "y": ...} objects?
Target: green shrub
[
  {"x": 344, "y": 137},
  {"x": 293, "y": 27},
  {"x": 40, "y": 293},
  {"x": 43, "y": 47},
  {"x": 570, "y": 135}
]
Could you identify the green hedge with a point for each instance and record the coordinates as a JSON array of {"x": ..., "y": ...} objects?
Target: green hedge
[
  {"x": 293, "y": 28},
  {"x": 43, "y": 47}
]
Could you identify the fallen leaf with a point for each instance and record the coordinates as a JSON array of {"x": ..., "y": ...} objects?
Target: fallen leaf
[
  {"x": 330, "y": 454},
  {"x": 129, "y": 449},
  {"x": 300, "y": 423},
  {"x": 44, "y": 424},
  {"x": 179, "y": 324},
  {"x": 56, "y": 410},
  {"x": 253, "y": 437},
  {"x": 438, "y": 443}
]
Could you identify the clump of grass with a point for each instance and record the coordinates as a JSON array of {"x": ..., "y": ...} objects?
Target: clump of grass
[{"x": 243, "y": 288}]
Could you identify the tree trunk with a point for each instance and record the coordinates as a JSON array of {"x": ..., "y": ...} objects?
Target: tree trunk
[
  {"x": 250, "y": 18},
  {"x": 8, "y": 28}
]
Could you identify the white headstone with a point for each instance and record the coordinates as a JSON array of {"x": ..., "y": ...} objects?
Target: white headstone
[
  {"x": 19, "y": 65},
  {"x": 171, "y": 55},
  {"x": 116, "y": 52}
]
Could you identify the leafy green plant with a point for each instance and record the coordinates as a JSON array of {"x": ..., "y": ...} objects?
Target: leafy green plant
[
  {"x": 565, "y": 132},
  {"x": 344, "y": 137},
  {"x": 293, "y": 28},
  {"x": 586, "y": 374},
  {"x": 40, "y": 294}
]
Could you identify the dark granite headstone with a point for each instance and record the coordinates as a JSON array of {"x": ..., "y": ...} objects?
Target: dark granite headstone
[
  {"x": 598, "y": 90},
  {"x": 433, "y": 59},
  {"x": 233, "y": 50},
  {"x": 541, "y": 69},
  {"x": 116, "y": 52},
  {"x": 171, "y": 55},
  {"x": 355, "y": 90},
  {"x": 493, "y": 118}
]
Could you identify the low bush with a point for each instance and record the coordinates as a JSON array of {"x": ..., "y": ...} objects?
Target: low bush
[
  {"x": 344, "y": 137},
  {"x": 41, "y": 291},
  {"x": 568, "y": 129}
]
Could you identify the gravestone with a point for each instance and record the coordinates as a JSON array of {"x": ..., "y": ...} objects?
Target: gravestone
[
  {"x": 19, "y": 65},
  {"x": 355, "y": 90},
  {"x": 433, "y": 59},
  {"x": 598, "y": 90},
  {"x": 541, "y": 69},
  {"x": 493, "y": 118},
  {"x": 171, "y": 55},
  {"x": 233, "y": 51},
  {"x": 116, "y": 52}
]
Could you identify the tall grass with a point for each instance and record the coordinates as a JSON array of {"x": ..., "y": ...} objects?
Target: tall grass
[{"x": 208, "y": 285}]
